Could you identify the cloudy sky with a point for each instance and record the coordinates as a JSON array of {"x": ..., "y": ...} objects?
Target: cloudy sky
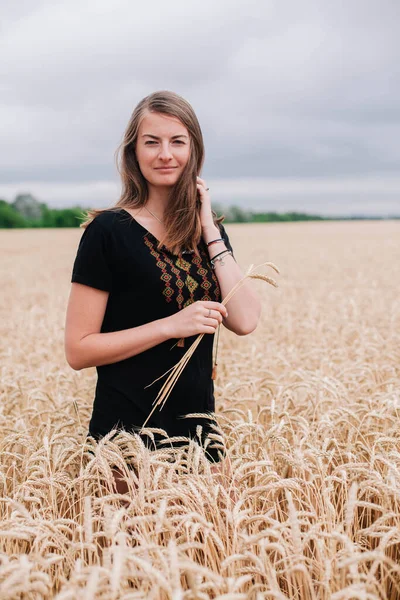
[{"x": 299, "y": 101}]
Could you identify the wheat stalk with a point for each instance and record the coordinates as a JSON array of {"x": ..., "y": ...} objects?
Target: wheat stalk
[{"x": 166, "y": 389}]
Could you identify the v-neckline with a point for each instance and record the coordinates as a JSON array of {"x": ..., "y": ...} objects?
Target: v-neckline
[{"x": 163, "y": 247}]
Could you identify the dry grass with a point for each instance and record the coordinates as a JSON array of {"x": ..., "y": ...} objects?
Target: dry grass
[{"x": 309, "y": 409}]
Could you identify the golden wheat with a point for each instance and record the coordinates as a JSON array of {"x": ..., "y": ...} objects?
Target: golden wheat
[{"x": 308, "y": 503}]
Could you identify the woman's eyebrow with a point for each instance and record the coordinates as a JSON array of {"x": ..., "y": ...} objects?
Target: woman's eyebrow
[{"x": 157, "y": 138}]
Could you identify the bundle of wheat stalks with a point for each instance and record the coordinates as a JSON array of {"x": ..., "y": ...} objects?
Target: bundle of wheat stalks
[{"x": 166, "y": 389}]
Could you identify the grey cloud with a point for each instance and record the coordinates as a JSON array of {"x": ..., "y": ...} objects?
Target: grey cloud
[{"x": 284, "y": 89}]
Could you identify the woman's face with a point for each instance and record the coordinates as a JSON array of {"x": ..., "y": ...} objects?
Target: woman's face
[{"x": 162, "y": 149}]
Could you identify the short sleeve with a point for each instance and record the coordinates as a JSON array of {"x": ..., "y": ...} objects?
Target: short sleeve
[
  {"x": 225, "y": 237},
  {"x": 92, "y": 262}
]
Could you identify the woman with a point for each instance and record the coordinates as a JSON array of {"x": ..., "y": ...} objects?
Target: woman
[{"x": 143, "y": 284}]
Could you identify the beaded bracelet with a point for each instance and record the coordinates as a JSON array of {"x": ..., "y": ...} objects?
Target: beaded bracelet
[
  {"x": 215, "y": 241},
  {"x": 219, "y": 256}
]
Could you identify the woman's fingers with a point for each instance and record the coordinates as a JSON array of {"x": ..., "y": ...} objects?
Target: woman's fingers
[
  {"x": 212, "y": 323},
  {"x": 215, "y": 314},
  {"x": 214, "y": 306}
]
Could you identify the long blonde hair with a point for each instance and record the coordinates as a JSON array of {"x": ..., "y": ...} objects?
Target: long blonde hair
[{"x": 181, "y": 216}]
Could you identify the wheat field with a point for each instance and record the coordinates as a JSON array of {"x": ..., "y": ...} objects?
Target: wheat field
[{"x": 308, "y": 406}]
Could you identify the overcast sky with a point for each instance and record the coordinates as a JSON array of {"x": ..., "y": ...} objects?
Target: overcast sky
[{"x": 299, "y": 101}]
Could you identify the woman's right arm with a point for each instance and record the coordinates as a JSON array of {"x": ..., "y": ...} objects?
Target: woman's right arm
[{"x": 86, "y": 347}]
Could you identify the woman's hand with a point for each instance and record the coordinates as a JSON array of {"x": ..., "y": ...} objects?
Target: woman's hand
[
  {"x": 206, "y": 217},
  {"x": 194, "y": 319}
]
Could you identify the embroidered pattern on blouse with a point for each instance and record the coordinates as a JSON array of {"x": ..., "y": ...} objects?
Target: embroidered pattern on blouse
[{"x": 180, "y": 268}]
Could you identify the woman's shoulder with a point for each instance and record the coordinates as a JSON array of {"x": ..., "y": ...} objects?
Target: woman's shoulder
[{"x": 106, "y": 218}]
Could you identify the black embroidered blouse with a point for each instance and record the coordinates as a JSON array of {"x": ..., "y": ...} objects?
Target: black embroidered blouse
[{"x": 117, "y": 254}]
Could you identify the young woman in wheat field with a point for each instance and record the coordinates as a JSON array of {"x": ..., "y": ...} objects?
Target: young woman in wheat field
[{"x": 144, "y": 283}]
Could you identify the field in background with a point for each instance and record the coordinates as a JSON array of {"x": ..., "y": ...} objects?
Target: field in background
[{"x": 309, "y": 405}]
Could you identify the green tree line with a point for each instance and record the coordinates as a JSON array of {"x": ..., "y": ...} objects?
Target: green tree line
[{"x": 27, "y": 211}]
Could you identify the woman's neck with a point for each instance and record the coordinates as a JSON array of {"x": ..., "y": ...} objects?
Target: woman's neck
[{"x": 157, "y": 201}]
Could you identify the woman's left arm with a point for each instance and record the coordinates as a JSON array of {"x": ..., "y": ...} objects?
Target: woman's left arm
[{"x": 244, "y": 308}]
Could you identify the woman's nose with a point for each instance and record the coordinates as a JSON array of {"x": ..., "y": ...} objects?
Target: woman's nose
[{"x": 165, "y": 151}]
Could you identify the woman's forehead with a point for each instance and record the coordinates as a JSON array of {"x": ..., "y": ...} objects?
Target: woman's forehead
[{"x": 161, "y": 124}]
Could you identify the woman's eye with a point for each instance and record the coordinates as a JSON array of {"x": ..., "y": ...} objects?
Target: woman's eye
[{"x": 176, "y": 142}]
